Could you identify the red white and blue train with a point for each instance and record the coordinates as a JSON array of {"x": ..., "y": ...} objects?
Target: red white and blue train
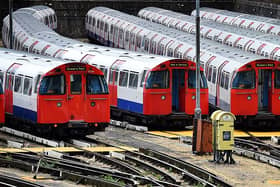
[
  {"x": 146, "y": 89},
  {"x": 251, "y": 41},
  {"x": 242, "y": 83},
  {"x": 53, "y": 95},
  {"x": 246, "y": 21}
]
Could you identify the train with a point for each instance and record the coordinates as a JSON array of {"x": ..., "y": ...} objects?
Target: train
[
  {"x": 245, "y": 84},
  {"x": 246, "y": 21},
  {"x": 50, "y": 95},
  {"x": 250, "y": 41},
  {"x": 150, "y": 90}
]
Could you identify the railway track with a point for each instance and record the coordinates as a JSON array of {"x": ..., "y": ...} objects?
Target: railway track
[
  {"x": 179, "y": 172},
  {"x": 258, "y": 150},
  {"x": 8, "y": 181}
]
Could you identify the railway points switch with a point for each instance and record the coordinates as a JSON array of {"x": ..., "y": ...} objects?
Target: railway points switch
[{"x": 223, "y": 138}]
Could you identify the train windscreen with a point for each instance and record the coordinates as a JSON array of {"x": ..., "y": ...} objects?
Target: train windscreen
[
  {"x": 52, "y": 85},
  {"x": 96, "y": 84},
  {"x": 277, "y": 79},
  {"x": 158, "y": 80},
  {"x": 244, "y": 80},
  {"x": 192, "y": 80}
]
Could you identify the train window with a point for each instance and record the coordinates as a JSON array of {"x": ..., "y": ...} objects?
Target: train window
[
  {"x": 170, "y": 52},
  {"x": 132, "y": 38},
  {"x": 244, "y": 80},
  {"x": 96, "y": 84},
  {"x": 277, "y": 79},
  {"x": 76, "y": 84},
  {"x": 226, "y": 80},
  {"x": 143, "y": 78},
  {"x": 52, "y": 85},
  {"x": 123, "y": 78},
  {"x": 214, "y": 75},
  {"x": 126, "y": 36},
  {"x": 158, "y": 80},
  {"x": 138, "y": 41},
  {"x": 111, "y": 29},
  {"x": 51, "y": 20},
  {"x": 93, "y": 22},
  {"x": 101, "y": 25},
  {"x": 37, "y": 83},
  {"x": 106, "y": 27},
  {"x": 192, "y": 79},
  {"x": 121, "y": 34},
  {"x": 146, "y": 44},
  {"x": 27, "y": 86},
  {"x": 209, "y": 73},
  {"x": 116, "y": 77},
  {"x": 54, "y": 18},
  {"x": 1, "y": 79},
  {"x": 222, "y": 80},
  {"x": 18, "y": 84},
  {"x": 133, "y": 80},
  {"x": 97, "y": 25}
]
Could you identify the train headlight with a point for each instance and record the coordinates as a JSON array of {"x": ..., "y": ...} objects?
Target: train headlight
[
  {"x": 249, "y": 98},
  {"x": 193, "y": 97},
  {"x": 58, "y": 104},
  {"x": 163, "y": 97},
  {"x": 92, "y": 104}
]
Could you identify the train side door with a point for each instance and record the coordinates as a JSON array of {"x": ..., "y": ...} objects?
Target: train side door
[
  {"x": 9, "y": 87},
  {"x": 75, "y": 95},
  {"x": 264, "y": 88},
  {"x": 178, "y": 90}
]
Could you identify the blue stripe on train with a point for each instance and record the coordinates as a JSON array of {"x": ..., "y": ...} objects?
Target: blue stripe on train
[
  {"x": 24, "y": 113},
  {"x": 130, "y": 106}
]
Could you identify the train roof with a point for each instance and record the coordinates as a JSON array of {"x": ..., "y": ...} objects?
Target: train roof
[
  {"x": 31, "y": 64},
  {"x": 237, "y": 56},
  {"x": 46, "y": 36},
  {"x": 250, "y": 34},
  {"x": 238, "y": 14}
]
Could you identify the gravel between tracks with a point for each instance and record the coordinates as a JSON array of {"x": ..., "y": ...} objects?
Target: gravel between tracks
[{"x": 245, "y": 172}]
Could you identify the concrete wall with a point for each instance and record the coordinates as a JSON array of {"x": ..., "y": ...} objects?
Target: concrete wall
[
  {"x": 268, "y": 8},
  {"x": 71, "y": 13}
]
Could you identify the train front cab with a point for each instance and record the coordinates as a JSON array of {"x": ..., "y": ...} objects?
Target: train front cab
[
  {"x": 255, "y": 91},
  {"x": 74, "y": 96},
  {"x": 169, "y": 93}
]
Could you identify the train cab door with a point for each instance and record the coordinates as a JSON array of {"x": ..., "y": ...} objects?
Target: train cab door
[
  {"x": 178, "y": 90},
  {"x": 264, "y": 89},
  {"x": 76, "y": 95},
  {"x": 113, "y": 87},
  {"x": 9, "y": 87}
]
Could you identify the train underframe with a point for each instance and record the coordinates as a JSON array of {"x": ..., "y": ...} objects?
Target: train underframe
[
  {"x": 57, "y": 130},
  {"x": 175, "y": 121}
]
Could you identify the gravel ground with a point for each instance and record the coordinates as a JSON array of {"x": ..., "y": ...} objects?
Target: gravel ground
[{"x": 245, "y": 172}]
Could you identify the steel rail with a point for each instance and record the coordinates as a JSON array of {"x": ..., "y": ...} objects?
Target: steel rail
[{"x": 6, "y": 180}]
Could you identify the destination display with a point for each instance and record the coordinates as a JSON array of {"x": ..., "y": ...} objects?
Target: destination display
[
  {"x": 263, "y": 65},
  {"x": 75, "y": 68},
  {"x": 178, "y": 65}
]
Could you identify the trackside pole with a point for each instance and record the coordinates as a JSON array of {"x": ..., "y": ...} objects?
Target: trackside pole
[
  {"x": 197, "y": 135},
  {"x": 11, "y": 22}
]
